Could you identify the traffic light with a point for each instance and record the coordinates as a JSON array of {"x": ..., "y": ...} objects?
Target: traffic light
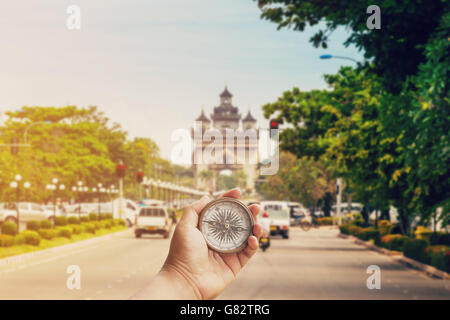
[
  {"x": 140, "y": 176},
  {"x": 120, "y": 170},
  {"x": 14, "y": 146},
  {"x": 273, "y": 124}
]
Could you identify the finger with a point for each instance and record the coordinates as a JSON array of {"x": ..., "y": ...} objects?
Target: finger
[
  {"x": 257, "y": 230},
  {"x": 255, "y": 209},
  {"x": 249, "y": 251},
  {"x": 190, "y": 214},
  {"x": 200, "y": 204},
  {"x": 233, "y": 193}
]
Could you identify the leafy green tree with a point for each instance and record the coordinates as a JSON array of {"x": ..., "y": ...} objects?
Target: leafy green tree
[
  {"x": 72, "y": 144},
  {"x": 225, "y": 182},
  {"x": 303, "y": 180},
  {"x": 396, "y": 49}
]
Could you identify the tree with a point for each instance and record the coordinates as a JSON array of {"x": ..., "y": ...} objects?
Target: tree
[
  {"x": 396, "y": 50},
  {"x": 72, "y": 144},
  {"x": 301, "y": 180}
]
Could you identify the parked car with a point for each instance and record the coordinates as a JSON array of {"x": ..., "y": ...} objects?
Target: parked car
[
  {"x": 27, "y": 211},
  {"x": 345, "y": 208},
  {"x": 278, "y": 212},
  {"x": 129, "y": 210},
  {"x": 153, "y": 220}
]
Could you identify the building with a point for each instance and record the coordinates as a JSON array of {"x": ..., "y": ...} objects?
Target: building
[{"x": 245, "y": 158}]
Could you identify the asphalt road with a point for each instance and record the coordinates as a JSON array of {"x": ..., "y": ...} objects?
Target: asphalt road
[{"x": 310, "y": 265}]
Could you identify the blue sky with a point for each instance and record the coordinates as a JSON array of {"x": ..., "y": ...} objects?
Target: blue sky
[{"x": 151, "y": 65}]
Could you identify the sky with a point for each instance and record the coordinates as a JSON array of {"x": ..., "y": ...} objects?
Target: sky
[{"x": 152, "y": 65}]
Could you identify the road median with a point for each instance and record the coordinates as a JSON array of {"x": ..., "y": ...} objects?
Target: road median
[{"x": 36, "y": 251}]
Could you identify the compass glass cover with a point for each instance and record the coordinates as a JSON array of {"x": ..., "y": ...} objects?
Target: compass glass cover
[{"x": 226, "y": 225}]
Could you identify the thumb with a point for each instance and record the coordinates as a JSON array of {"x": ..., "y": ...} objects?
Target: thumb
[{"x": 190, "y": 214}]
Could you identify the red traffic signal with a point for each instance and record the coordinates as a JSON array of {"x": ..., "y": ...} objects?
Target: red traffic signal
[
  {"x": 140, "y": 176},
  {"x": 120, "y": 170},
  {"x": 273, "y": 124}
]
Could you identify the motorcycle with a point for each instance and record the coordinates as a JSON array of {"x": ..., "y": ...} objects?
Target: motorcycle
[{"x": 264, "y": 242}]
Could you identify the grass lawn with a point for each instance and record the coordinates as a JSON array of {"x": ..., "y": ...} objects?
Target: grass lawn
[{"x": 45, "y": 244}]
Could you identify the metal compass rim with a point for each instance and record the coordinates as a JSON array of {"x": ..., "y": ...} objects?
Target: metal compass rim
[{"x": 215, "y": 202}]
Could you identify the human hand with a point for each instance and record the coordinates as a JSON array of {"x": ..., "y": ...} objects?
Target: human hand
[{"x": 192, "y": 270}]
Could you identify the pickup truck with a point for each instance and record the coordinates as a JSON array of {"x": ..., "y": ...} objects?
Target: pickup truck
[{"x": 153, "y": 220}]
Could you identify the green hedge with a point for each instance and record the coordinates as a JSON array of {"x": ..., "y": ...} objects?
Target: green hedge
[
  {"x": 31, "y": 237},
  {"x": 33, "y": 225},
  {"x": 416, "y": 249},
  {"x": 47, "y": 234},
  {"x": 88, "y": 227},
  {"x": 439, "y": 238},
  {"x": 45, "y": 224},
  {"x": 84, "y": 219},
  {"x": 65, "y": 232},
  {"x": 369, "y": 233},
  {"x": 394, "y": 241},
  {"x": 73, "y": 220},
  {"x": 9, "y": 228},
  {"x": 6, "y": 240},
  {"x": 19, "y": 240},
  {"x": 60, "y": 221},
  {"x": 93, "y": 216}
]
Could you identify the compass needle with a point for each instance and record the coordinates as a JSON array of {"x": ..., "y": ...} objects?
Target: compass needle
[{"x": 226, "y": 224}]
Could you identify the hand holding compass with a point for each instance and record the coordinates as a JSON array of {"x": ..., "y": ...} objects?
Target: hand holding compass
[{"x": 193, "y": 270}]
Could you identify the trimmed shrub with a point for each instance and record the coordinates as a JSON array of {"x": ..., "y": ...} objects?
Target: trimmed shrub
[
  {"x": 107, "y": 224},
  {"x": 65, "y": 232},
  {"x": 93, "y": 216},
  {"x": 75, "y": 228},
  {"x": 359, "y": 222},
  {"x": 119, "y": 222},
  {"x": 88, "y": 227},
  {"x": 438, "y": 257},
  {"x": 384, "y": 227},
  {"x": 344, "y": 228},
  {"x": 370, "y": 233},
  {"x": 108, "y": 216},
  {"x": 84, "y": 219},
  {"x": 33, "y": 225},
  {"x": 354, "y": 230},
  {"x": 60, "y": 221},
  {"x": 47, "y": 234},
  {"x": 31, "y": 237},
  {"x": 73, "y": 220},
  {"x": 6, "y": 240},
  {"x": 9, "y": 228},
  {"x": 393, "y": 241},
  {"x": 416, "y": 249},
  {"x": 19, "y": 240},
  {"x": 325, "y": 221},
  {"x": 439, "y": 238},
  {"x": 45, "y": 224}
]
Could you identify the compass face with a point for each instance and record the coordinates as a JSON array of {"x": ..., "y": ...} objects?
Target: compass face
[{"x": 226, "y": 224}]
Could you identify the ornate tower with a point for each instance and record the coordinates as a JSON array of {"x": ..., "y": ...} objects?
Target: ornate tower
[{"x": 226, "y": 116}]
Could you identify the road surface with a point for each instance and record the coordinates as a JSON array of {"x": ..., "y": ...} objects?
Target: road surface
[{"x": 310, "y": 265}]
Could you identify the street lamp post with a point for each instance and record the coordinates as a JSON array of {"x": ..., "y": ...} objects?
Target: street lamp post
[
  {"x": 330, "y": 56},
  {"x": 54, "y": 187}
]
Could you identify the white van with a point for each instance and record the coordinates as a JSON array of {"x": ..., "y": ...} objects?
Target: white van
[{"x": 279, "y": 214}]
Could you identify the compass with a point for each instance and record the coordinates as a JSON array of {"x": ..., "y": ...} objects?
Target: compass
[{"x": 226, "y": 224}]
